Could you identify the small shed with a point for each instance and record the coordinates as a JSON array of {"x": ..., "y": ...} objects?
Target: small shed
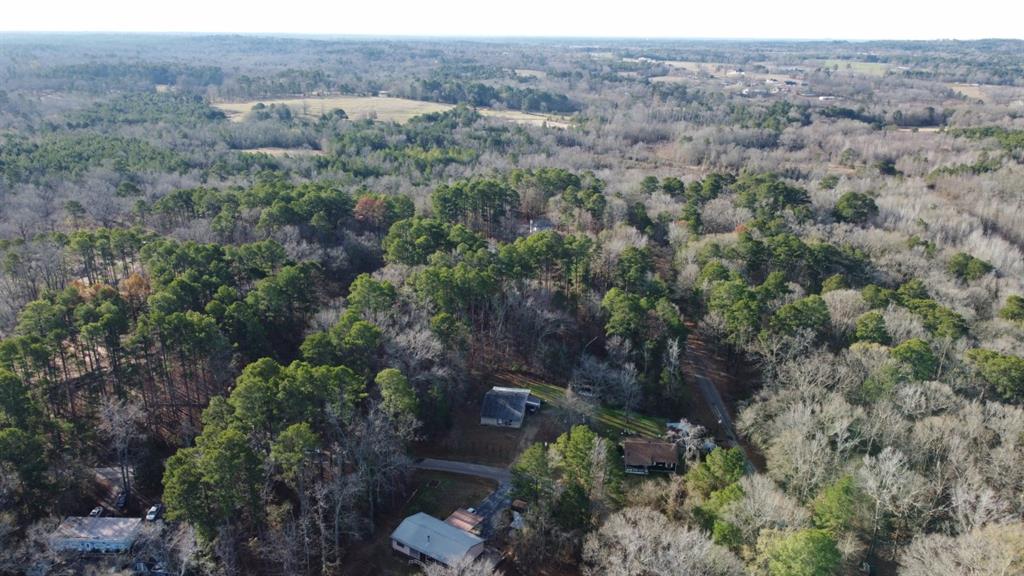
[
  {"x": 424, "y": 538},
  {"x": 645, "y": 455},
  {"x": 465, "y": 520},
  {"x": 507, "y": 407},
  {"x": 95, "y": 534}
]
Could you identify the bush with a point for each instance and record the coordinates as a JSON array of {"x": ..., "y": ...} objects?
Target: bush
[
  {"x": 871, "y": 328},
  {"x": 967, "y": 268},
  {"x": 855, "y": 207},
  {"x": 1013, "y": 310}
]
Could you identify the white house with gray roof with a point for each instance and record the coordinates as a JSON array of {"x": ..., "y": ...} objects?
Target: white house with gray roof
[
  {"x": 427, "y": 539},
  {"x": 507, "y": 407},
  {"x": 89, "y": 534}
]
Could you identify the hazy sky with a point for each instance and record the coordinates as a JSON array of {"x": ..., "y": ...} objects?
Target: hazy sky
[{"x": 865, "y": 19}]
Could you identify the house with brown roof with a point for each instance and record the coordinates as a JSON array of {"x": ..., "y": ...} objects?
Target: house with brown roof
[
  {"x": 645, "y": 455},
  {"x": 465, "y": 520}
]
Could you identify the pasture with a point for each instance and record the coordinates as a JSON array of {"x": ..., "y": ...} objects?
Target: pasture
[
  {"x": 530, "y": 73},
  {"x": 972, "y": 91},
  {"x": 399, "y": 110},
  {"x": 857, "y": 67},
  {"x": 386, "y": 109}
]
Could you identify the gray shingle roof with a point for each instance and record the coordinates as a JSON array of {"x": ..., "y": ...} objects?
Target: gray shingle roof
[
  {"x": 505, "y": 404},
  {"x": 435, "y": 538},
  {"x": 84, "y": 528}
]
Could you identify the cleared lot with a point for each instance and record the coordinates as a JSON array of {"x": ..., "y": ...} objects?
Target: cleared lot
[{"x": 387, "y": 109}]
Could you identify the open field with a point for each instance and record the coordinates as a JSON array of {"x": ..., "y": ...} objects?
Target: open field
[
  {"x": 975, "y": 91},
  {"x": 281, "y": 152},
  {"x": 357, "y": 107},
  {"x": 528, "y": 118},
  {"x": 530, "y": 73},
  {"x": 858, "y": 67},
  {"x": 669, "y": 79},
  {"x": 691, "y": 66},
  {"x": 399, "y": 110}
]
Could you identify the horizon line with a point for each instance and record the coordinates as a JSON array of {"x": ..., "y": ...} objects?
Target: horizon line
[{"x": 479, "y": 37}]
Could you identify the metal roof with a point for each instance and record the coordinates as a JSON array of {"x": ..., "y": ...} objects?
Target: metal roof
[
  {"x": 505, "y": 404},
  {"x": 464, "y": 520},
  {"x": 86, "y": 528},
  {"x": 434, "y": 538}
]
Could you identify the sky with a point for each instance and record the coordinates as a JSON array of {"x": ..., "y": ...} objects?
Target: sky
[{"x": 785, "y": 19}]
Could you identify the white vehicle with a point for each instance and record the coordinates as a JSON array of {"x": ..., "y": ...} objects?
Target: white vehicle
[{"x": 154, "y": 512}]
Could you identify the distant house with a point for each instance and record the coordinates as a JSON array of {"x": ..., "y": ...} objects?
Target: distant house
[
  {"x": 427, "y": 539},
  {"x": 534, "y": 225},
  {"x": 95, "y": 534},
  {"x": 465, "y": 520},
  {"x": 507, "y": 407},
  {"x": 644, "y": 455}
]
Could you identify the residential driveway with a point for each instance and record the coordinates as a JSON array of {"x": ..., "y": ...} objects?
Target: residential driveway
[
  {"x": 499, "y": 475},
  {"x": 495, "y": 503},
  {"x": 715, "y": 403}
]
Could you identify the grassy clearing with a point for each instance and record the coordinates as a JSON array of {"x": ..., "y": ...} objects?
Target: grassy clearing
[
  {"x": 669, "y": 79},
  {"x": 387, "y": 109},
  {"x": 281, "y": 152},
  {"x": 439, "y": 493},
  {"x": 613, "y": 422},
  {"x": 972, "y": 91},
  {"x": 399, "y": 110},
  {"x": 858, "y": 67},
  {"x": 528, "y": 118},
  {"x": 690, "y": 66},
  {"x": 530, "y": 73}
]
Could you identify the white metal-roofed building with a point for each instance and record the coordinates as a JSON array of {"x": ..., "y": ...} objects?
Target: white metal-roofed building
[
  {"x": 88, "y": 534},
  {"x": 427, "y": 539},
  {"x": 507, "y": 406}
]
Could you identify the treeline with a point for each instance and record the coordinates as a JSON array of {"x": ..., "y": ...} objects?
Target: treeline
[
  {"x": 479, "y": 94},
  {"x": 23, "y": 160},
  {"x": 184, "y": 110}
]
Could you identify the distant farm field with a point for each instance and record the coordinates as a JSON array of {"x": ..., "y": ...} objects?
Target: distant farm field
[
  {"x": 530, "y": 73},
  {"x": 691, "y": 66},
  {"x": 357, "y": 107},
  {"x": 669, "y": 79},
  {"x": 528, "y": 118},
  {"x": 974, "y": 91},
  {"x": 858, "y": 67},
  {"x": 399, "y": 110}
]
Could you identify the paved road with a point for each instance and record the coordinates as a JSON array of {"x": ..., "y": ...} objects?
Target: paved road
[
  {"x": 499, "y": 475},
  {"x": 715, "y": 402}
]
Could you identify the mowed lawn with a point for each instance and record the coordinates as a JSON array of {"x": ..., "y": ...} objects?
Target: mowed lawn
[{"x": 612, "y": 422}]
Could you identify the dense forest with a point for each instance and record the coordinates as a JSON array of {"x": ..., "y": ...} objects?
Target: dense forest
[{"x": 265, "y": 320}]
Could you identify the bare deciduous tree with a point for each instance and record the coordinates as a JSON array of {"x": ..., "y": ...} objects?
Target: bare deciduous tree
[
  {"x": 642, "y": 541},
  {"x": 997, "y": 549}
]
